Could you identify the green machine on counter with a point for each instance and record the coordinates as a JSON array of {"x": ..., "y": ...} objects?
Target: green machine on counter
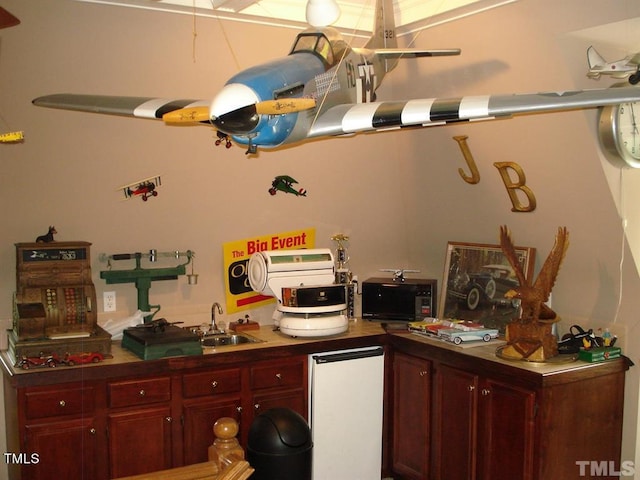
[{"x": 160, "y": 339}]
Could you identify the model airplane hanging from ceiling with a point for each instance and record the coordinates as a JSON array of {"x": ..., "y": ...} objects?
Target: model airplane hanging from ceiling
[
  {"x": 629, "y": 66},
  {"x": 324, "y": 88}
]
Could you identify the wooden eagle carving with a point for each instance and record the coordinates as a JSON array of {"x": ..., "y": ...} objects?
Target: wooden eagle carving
[{"x": 533, "y": 296}]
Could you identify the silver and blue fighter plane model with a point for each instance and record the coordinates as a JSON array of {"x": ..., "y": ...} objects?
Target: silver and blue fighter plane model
[{"x": 325, "y": 87}]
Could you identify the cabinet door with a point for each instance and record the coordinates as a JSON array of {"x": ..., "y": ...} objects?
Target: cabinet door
[
  {"x": 296, "y": 400},
  {"x": 455, "y": 398},
  {"x": 411, "y": 411},
  {"x": 199, "y": 417},
  {"x": 139, "y": 441},
  {"x": 505, "y": 431},
  {"x": 68, "y": 448}
]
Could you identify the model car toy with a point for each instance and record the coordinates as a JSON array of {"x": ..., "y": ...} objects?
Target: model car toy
[
  {"x": 430, "y": 327},
  {"x": 80, "y": 358},
  {"x": 43, "y": 360},
  {"x": 458, "y": 336}
]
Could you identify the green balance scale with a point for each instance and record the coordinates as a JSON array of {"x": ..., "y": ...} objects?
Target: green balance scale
[{"x": 153, "y": 339}]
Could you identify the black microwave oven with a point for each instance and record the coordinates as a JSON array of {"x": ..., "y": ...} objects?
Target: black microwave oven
[{"x": 412, "y": 299}]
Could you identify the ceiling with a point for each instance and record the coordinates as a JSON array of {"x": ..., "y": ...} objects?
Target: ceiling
[{"x": 356, "y": 17}]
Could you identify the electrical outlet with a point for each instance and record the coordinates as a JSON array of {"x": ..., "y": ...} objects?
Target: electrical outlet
[{"x": 109, "y": 301}]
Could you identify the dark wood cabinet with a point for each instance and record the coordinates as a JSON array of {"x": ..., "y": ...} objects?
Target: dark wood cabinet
[
  {"x": 490, "y": 424},
  {"x": 62, "y": 430},
  {"x": 455, "y": 412},
  {"x": 279, "y": 384},
  {"x": 139, "y": 440},
  {"x": 411, "y": 416},
  {"x": 505, "y": 426},
  {"x": 139, "y": 425},
  {"x": 493, "y": 420},
  {"x": 198, "y": 419},
  {"x": 127, "y": 425},
  {"x": 67, "y": 447},
  {"x": 208, "y": 395},
  {"x": 449, "y": 413}
]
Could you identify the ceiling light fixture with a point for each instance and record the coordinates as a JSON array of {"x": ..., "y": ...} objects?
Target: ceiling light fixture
[{"x": 321, "y": 13}]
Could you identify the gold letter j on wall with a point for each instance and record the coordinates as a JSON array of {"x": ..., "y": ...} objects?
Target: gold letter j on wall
[{"x": 466, "y": 152}]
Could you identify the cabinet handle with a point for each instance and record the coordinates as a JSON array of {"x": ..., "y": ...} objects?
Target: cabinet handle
[
  {"x": 279, "y": 376},
  {"x": 168, "y": 419},
  {"x": 142, "y": 393},
  {"x": 214, "y": 384},
  {"x": 92, "y": 431},
  {"x": 256, "y": 406},
  {"x": 62, "y": 403},
  {"x": 471, "y": 388},
  {"x": 239, "y": 409},
  {"x": 423, "y": 373},
  {"x": 486, "y": 391}
]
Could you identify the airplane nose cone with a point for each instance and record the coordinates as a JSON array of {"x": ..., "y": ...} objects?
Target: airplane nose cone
[{"x": 233, "y": 110}]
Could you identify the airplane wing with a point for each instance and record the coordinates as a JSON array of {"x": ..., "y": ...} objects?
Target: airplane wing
[
  {"x": 140, "y": 107},
  {"x": 391, "y": 53},
  {"x": 363, "y": 117},
  {"x": 366, "y": 117}
]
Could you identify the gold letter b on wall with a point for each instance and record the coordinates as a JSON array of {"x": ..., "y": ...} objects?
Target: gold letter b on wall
[{"x": 514, "y": 186}]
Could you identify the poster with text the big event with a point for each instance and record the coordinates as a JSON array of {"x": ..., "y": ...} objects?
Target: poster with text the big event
[{"x": 239, "y": 294}]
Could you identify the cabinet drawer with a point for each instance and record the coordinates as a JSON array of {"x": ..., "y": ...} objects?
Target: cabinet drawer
[
  {"x": 68, "y": 401},
  {"x": 139, "y": 392},
  {"x": 281, "y": 374},
  {"x": 211, "y": 382}
]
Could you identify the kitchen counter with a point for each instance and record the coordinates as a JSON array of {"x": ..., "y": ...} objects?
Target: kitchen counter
[
  {"x": 274, "y": 344},
  {"x": 475, "y": 355}
]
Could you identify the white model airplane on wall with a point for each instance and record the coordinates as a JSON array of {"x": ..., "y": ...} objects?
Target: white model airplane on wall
[
  {"x": 325, "y": 88},
  {"x": 627, "y": 67}
]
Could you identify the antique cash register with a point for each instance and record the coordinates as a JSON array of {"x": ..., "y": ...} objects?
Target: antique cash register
[{"x": 55, "y": 310}]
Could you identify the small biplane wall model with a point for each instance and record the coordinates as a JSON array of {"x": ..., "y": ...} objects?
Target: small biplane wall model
[
  {"x": 142, "y": 188},
  {"x": 325, "y": 87},
  {"x": 284, "y": 183},
  {"x": 627, "y": 67}
]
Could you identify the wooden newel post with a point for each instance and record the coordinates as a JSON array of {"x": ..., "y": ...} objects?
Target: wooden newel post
[{"x": 225, "y": 449}]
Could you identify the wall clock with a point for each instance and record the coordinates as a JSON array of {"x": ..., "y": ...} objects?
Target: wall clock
[{"x": 619, "y": 135}]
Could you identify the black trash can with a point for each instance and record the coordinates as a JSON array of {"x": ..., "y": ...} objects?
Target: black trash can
[{"x": 280, "y": 446}]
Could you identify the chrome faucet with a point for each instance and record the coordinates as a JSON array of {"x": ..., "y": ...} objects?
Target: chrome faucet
[{"x": 214, "y": 326}]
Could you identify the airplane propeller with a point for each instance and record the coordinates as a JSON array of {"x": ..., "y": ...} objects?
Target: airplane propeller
[
  {"x": 289, "y": 105},
  {"x": 267, "y": 107},
  {"x": 187, "y": 115}
]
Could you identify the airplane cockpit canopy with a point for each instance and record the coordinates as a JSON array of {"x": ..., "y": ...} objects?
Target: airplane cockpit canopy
[{"x": 327, "y": 43}]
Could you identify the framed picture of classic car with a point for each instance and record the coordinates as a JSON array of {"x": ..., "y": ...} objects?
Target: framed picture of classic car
[{"x": 476, "y": 279}]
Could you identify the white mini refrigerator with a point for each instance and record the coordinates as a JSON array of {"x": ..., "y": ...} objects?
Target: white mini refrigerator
[{"x": 345, "y": 413}]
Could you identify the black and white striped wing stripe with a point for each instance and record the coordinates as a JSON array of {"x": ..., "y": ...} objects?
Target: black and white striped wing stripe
[
  {"x": 139, "y": 107},
  {"x": 354, "y": 118}
]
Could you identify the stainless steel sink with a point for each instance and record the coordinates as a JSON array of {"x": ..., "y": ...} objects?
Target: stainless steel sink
[{"x": 228, "y": 339}]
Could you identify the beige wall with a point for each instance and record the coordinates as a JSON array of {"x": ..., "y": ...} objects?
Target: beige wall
[{"x": 398, "y": 195}]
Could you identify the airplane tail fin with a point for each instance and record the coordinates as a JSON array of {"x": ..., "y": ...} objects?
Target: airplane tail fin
[
  {"x": 594, "y": 58},
  {"x": 384, "y": 26}
]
